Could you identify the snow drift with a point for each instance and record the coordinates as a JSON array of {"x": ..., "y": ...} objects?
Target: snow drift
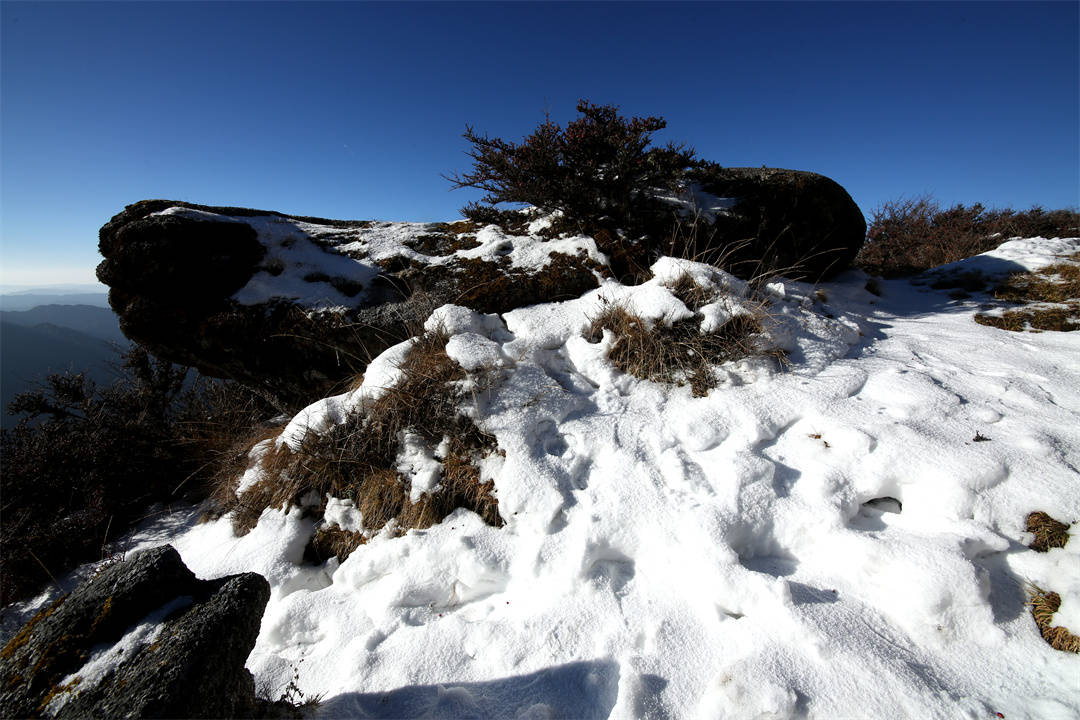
[{"x": 823, "y": 540}]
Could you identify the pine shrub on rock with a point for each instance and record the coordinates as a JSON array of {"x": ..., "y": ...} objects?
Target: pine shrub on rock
[{"x": 599, "y": 168}]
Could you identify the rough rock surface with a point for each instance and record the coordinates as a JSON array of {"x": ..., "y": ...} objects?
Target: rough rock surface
[
  {"x": 797, "y": 223},
  {"x": 295, "y": 306},
  {"x": 144, "y": 638}
]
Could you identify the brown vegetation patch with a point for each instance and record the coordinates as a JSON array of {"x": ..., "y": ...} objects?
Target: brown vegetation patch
[
  {"x": 915, "y": 234},
  {"x": 1048, "y": 532},
  {"x": 1052, "y": 295},
  {"x": 677, "y": 353},
  {"x": 357, "y": 459},
  {"x": 442, "y": 244},
  {"x": 1043, "y": 606},
  {"x": 1057, "y": 283},
  {"x": 347, "y": 287},
  {"x": 1058, "y": 319},
  {"x": 332, "y": 541},
  {"x": 496, "y": 287},
  {"x": 692, "y": 294},
  {"x": 511, "y": 222}
]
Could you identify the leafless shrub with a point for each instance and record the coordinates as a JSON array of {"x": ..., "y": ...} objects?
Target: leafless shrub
[{"x": 914, "y": 234}]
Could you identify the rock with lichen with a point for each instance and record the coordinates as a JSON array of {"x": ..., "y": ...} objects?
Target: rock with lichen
[{"x": 143, "y": 638}]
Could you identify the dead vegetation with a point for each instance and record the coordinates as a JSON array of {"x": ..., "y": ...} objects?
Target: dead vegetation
[
  {"x": 358, "y": 459},
  {"x": 1048, "y": 532},
  {"x": 496, "y": 287},
  {"x": 1050, "y": 299},
  {"x": 331, "y": 541},
  {"x": 1043, "y": 606},
  {"x": 679, "y": 352},
  {"x": 446, "y": 238}
]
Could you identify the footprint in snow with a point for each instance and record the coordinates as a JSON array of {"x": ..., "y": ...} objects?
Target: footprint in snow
[{"x": 609, "y": 567}]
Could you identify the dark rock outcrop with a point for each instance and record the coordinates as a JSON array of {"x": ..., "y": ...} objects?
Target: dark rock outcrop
[
  {"x": 174, "y": 270},
  {"x": 296, "y": 306},
  {"x": 186, "y": 642},
  {"x": 796, "y": 223}
]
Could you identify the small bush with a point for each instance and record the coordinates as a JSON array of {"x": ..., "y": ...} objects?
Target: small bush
[
  {"x": 357, "y": 460},
  {"x": 83, "y": 465},
  {"x": 600, "y": 167},
  {"x": 679, "y": 352},
  {"x": 914, "y": 234}
]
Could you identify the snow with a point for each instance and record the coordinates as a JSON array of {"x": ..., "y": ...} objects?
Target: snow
[
  {"x": 694, "y": 202},
  {"x": 825, "y": 540}
]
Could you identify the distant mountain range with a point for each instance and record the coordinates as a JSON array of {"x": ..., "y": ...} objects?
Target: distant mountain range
[
  {"x": 30, "y": 299},
  {"x": 51, "y": 338}
]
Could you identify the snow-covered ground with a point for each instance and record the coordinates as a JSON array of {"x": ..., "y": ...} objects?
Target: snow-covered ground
[{"x": 826, "y": 540}]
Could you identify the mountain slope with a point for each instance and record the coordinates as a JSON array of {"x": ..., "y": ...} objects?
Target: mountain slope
[
  {"x": 843, "y": 537},
  {"x": 99, "y": 322},
  {"x": 29, "y": 353},
  {"x": 29, "y": 300}
]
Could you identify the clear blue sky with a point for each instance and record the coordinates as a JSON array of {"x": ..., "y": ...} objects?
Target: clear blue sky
[{"x": 353, "y": 110}]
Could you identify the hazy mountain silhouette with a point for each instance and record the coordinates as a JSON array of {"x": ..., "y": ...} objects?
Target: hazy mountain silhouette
[
  {"x": 55, "y": 338},
  {"x": 93, "y": 320},
  {"x": 32, "y": 299}
]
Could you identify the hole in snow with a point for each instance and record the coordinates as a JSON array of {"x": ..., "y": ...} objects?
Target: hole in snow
[{"x": 885, "y": 504}]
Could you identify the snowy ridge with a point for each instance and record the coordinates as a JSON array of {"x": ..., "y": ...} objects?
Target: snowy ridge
[
  {"x": 826, "y": 541},
  {"x": 303, "y": 258}
]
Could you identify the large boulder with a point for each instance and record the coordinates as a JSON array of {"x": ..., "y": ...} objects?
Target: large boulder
[
  {"x": 790, "y": 222},
  {"x": 296, "y": 306},
  {"x": 144, "y": 638}
]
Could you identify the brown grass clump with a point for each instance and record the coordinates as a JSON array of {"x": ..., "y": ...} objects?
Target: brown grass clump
[
  {"x": 1043, "y": 606},
  {"x": 1037, "y": 320},
  {"x": 231, "y": 461},
  {"x": 690, "y": 293},
  {"x": 1048, "y": 532},
  {"x": 679, "y": 352},
  {"x": 1057, "y": 283},
  {"x": 446, "y": 239},
  {"x": 332, "y": 541},
  {"x": 357, "y": 459},
  {"x": 494, "y": 287},
  {"x": 1052, "y": 296}
]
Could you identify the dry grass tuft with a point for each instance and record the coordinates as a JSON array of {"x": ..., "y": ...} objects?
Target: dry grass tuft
[
  {"x": 1051, "y": 294},
  {"x": 332, "y": 541},
  {"x": 693, "y": 295},
  {"x": 679, "y": 352},
  {"x": 1043, "y": 606},
  {"x": 230, "y": 463},
  {"x": 1055, "y": 283},
  {"x": 357, "y": 460},
  {"x": 1048, "y": 532},
  {"x": 1056, "y": 319}
]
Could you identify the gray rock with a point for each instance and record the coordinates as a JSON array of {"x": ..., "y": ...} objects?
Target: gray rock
[
  {"x": 189, "y": 663},
  {"x": 172, "y": 278},
  {"x": 796, "y": 223}
]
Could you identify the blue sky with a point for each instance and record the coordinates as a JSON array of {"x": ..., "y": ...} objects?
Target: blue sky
[{"x": 354, "y": 110}]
